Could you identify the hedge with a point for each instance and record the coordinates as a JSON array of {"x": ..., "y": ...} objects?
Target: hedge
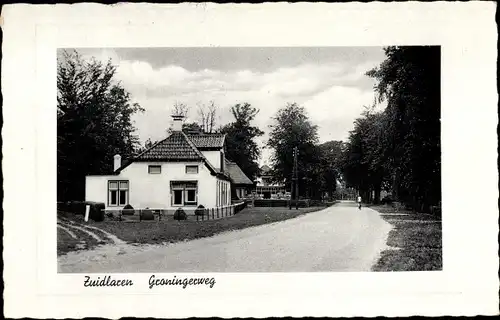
[
  {"x": 96, "y": 212},
  {"x": 280, "y": 203}
]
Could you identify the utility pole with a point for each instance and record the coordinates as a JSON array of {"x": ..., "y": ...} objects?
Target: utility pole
[
  {"x": 296, "y": 176},
  {"x": 294, "y": 190}
]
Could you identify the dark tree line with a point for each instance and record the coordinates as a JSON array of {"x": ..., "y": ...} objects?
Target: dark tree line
[
  {"x": 93, "y": 122},
  {"x": 318, "y": 164},
  {"x": 399, "y": 149}
]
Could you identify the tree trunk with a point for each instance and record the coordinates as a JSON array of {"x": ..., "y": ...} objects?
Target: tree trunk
[{"x": 376, "y": 199}]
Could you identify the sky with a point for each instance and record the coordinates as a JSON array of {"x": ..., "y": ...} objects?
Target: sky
[{"x": 329, "y": 82}]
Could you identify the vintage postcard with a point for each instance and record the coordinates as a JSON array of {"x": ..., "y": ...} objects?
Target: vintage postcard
[{"x": 263, "y": 160}]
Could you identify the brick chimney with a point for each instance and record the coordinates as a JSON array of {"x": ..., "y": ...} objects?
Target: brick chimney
[
  {"x": 117, "y": 163},
  {"x": 177, "y": 122}
]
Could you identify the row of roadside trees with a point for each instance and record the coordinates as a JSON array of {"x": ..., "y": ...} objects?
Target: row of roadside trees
[{"x": 396, "y": 150}]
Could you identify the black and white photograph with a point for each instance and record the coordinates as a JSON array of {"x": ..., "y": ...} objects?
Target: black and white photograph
[{"x": 249, "y": 159}]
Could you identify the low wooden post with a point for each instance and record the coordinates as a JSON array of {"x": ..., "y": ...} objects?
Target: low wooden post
[
  {"x": 203, "y": 217},
  {"x": 213, "y": 215}
]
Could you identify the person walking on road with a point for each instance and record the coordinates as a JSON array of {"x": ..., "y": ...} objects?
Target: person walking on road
[{"x": 359, "y": 202}]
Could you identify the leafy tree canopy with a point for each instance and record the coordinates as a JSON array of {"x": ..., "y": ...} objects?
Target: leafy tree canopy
[
  {"x": 94, "y": 122},
  {"x": 240, "y": 139}
]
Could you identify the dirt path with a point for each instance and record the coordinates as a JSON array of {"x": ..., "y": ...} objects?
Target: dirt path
[{"x": 338, "y": 238}]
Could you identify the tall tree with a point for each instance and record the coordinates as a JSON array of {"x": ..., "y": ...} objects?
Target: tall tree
[
  {"x": 365, "y": 162},
  {"x": 207, "y": 114},
  {"x": 94, "y": 122},
  {"x": 409, "y": 79},
  {"x": 292, "y": 128},
  {"x": 240, "y": 139},
  {"x": 330, "y": 165}
]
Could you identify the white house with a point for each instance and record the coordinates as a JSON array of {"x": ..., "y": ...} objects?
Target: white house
[{"x": 183, "y": 170}]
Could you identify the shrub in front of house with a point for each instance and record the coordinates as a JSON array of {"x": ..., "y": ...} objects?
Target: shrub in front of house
[
  {"x": 96, "y": 212},
  {"x": 179, "y": 214},
  {"x": 200, "y": 211},
  {"x": 147, "y": 215},
  {"x": 128, "y": 210}
]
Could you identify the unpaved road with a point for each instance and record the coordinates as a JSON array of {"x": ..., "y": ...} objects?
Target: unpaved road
[{"x": 338, "y": 238}]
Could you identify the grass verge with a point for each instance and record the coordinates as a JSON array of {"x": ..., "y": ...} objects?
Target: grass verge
[
  {"x": 415, "y": 243},
  {"x": 158, "y": 232}
]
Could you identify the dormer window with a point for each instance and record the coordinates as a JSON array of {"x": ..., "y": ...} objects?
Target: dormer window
[
  {"x": 154, "y": 169},
  {"x": 192, "y": 169}
]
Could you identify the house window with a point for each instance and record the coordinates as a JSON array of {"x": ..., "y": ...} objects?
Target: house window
[
  {"x": 192, "y": 169},
  {"x": 117, "y": 193},
  {"x": 184, "y": 193},
  {"x": 154, "y": 169}
]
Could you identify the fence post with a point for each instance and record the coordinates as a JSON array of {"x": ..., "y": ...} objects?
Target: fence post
[
  {"x": 213, "y": 216},
  {"x": 140, "y": 214},
  {"x": 217, "y": 212},
  {"x": 203, "y": 217}
]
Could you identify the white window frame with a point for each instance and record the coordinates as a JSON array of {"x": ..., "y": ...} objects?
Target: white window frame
[
  {"x": 186, "y": 198},
  {"x": 118, "y": 189},
  {"x": 173, "y": 197},
  {"x": 154, "y": 166},
  {"x": 184, "y": 193}
]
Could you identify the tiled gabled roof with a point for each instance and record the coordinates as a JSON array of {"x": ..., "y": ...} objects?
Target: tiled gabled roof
[
  {"x": 208, "y": 140},
  {"x": 235, "y": 173},
  {"x": 176, "y": 147}
]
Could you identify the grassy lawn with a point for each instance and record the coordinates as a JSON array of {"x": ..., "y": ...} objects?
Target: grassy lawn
[
  {"x": 166, "y": 230},
  {"x": 415, "y": 241}
]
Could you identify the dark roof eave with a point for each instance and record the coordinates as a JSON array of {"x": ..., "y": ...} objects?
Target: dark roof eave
[
  {"x": 209, "y": 148},
  {"x": 243, "y": 184},
  {"x": 223, "y": 176},
  {"x": 168, "y": 160}
]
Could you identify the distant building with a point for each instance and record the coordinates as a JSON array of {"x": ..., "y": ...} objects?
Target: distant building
[{"x": 267, "y": 189}]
